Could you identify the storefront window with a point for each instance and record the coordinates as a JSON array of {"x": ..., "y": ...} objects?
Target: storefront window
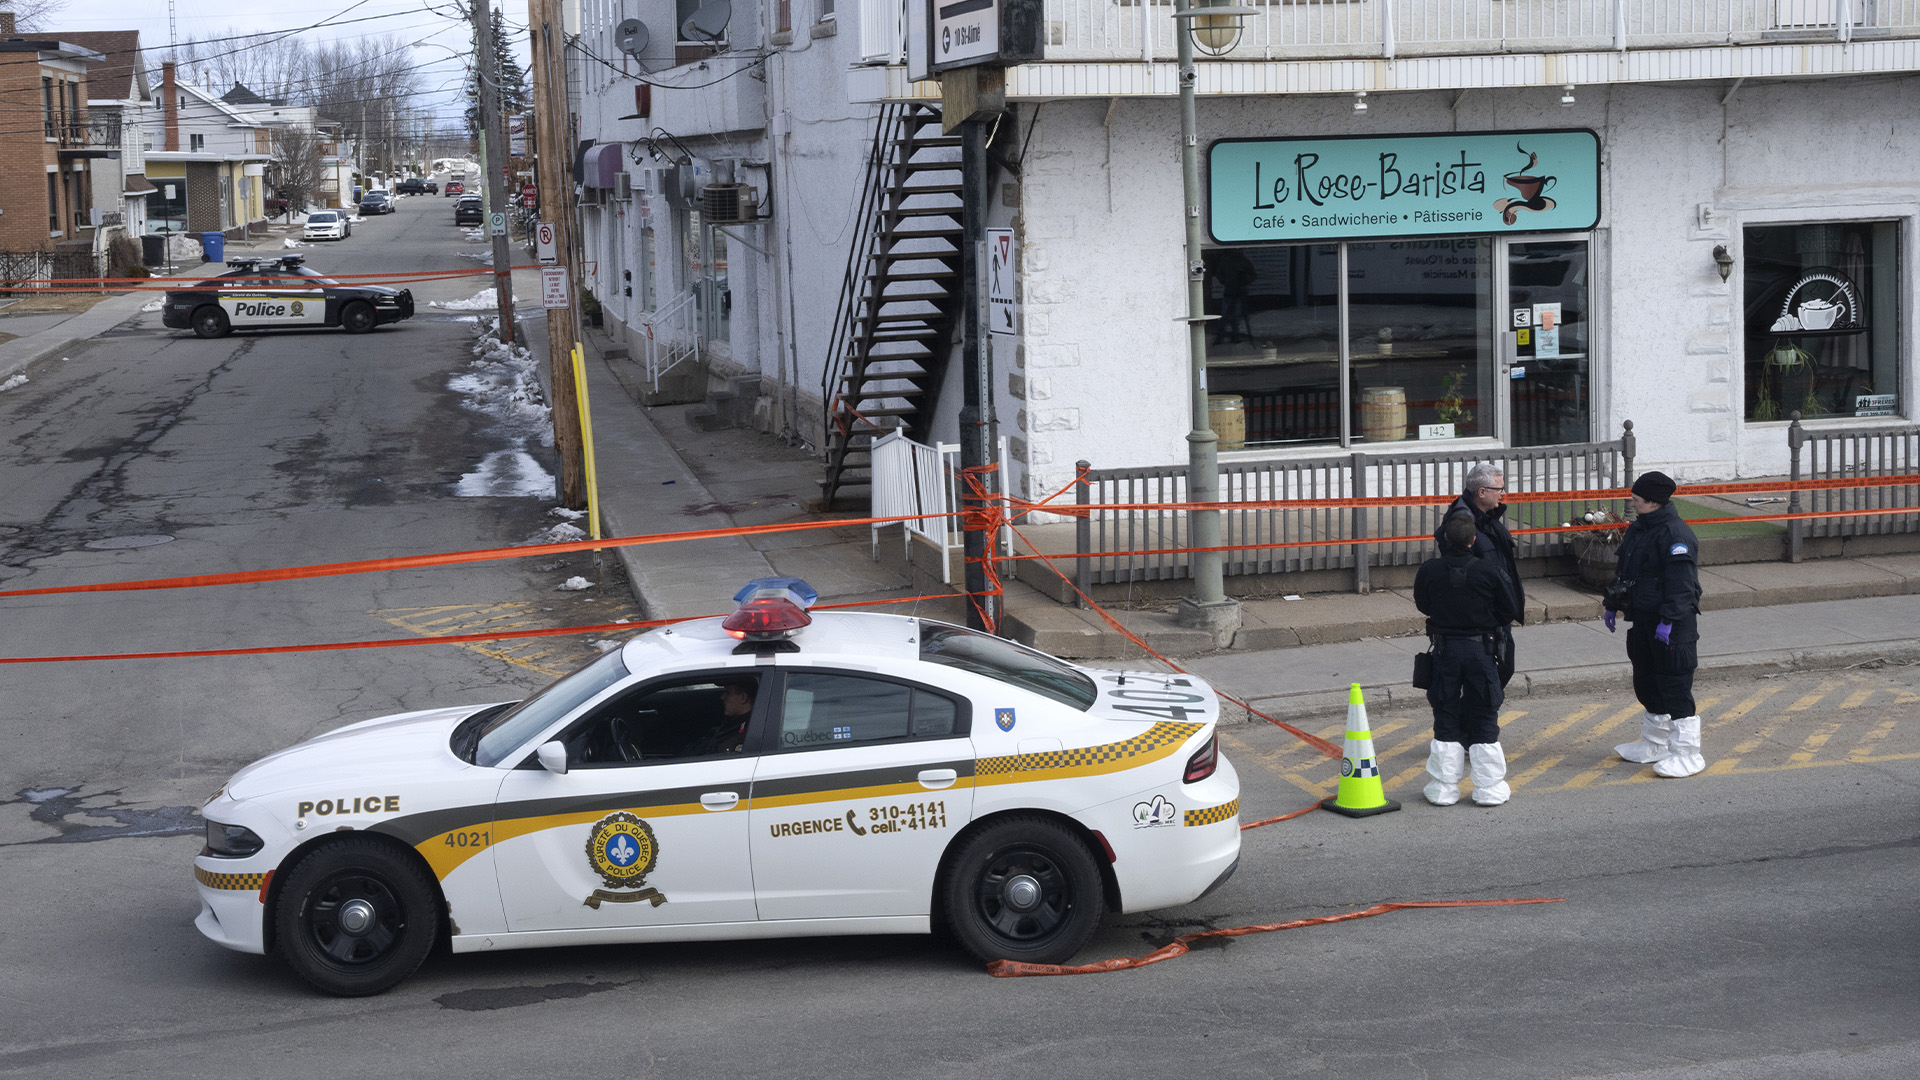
[
  {"x": 1419, "y": 354},
  {"x": 705, "y": 250},
  {"x": 1547, "y": 302},
  {"x": 1821, "y": 320}
]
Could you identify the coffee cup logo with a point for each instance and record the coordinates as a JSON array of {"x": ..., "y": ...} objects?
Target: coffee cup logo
[
  {"x": 1817, "y": 315},
  {"x": 1531, "y": 186}
]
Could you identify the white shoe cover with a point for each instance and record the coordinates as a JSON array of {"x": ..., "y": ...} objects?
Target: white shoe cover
[
  {"x": 1446, "y": 763},
  {"x": 1654, "y": 729},
  {"x": 1489, "y": 774},
  {"x": 1683, "y": 758}
]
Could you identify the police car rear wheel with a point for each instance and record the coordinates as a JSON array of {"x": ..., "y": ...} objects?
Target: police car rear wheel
[
  {"x": 211, "y": 322},
  {"x": 356, "y": 917},
  {"x": 1024, "y": 888},
  {"x": 357, "y": 317}
]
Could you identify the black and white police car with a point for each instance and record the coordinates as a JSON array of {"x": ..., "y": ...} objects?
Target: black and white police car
[
  {"x": 260, "y": 294},
  {"x": 775, "y": 773}
]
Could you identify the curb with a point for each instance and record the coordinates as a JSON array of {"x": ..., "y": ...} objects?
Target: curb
[{"x": 1321, "y": 704}]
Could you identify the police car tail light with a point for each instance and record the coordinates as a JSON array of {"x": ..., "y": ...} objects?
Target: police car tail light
[
  {"x": 1203, "y": 762},
  {"x": 232, "y": 841},
  {"x": 771, "y": 609}
]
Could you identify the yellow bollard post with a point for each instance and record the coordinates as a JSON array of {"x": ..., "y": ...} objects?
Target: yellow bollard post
[
  {"x": 586, "y": 443},
  {"x": 1361, "y": 793}
]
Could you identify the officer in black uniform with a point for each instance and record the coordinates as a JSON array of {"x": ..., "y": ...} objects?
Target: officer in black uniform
[
  {"x": 1467, "y": 601},
  {"x": 1658, "y": 586},
  {"x": 1484, "y": 495}
]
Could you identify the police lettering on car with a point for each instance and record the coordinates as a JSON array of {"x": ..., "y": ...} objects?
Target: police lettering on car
[{"x": 262, "y": 294}]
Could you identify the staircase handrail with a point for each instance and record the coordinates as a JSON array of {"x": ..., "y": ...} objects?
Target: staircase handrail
[{"x": 867, "y": 226}]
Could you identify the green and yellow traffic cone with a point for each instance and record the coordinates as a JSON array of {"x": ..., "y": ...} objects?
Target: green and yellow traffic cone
[{"x": 1361, "y": 792}]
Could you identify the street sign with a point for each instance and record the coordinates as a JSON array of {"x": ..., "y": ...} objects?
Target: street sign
[
  {"x": 1000, "y": 306},
  {"x": 496, "y": 224},
  {"x": 543, "y": 242},
  {"x": 529, "y": 196},
  {"x": 553, "y": 287},
  {"x": 964, "y": 33}
]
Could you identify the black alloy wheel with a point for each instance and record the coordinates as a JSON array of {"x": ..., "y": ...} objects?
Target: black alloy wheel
[
  {"x": 356, "y": 917},
  {"x": 1024, "y": 888},
  {"x": 357, "y": 317},
  {"x": 209, "y": 321}
]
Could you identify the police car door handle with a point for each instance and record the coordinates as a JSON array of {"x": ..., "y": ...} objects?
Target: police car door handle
[
  {"x": 720, "y": 800},
  {"x": 936, "y": 779}
]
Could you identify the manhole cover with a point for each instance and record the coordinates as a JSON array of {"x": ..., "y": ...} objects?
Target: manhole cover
[{"x": 112, "y": 543}]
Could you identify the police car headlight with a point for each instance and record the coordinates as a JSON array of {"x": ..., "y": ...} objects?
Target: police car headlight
[{"x": 232, "y": 841}]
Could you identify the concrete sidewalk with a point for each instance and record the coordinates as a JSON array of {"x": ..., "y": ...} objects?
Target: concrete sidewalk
[{"x": 1293, "y": 657}]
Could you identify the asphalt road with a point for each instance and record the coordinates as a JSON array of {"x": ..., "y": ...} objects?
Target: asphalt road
[{"x": 1757, "y": 920}]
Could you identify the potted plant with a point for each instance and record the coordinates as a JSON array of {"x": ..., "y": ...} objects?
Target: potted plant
[
  {"x": 1786, "y": 382},
  {"x": 1451, "y": 407},
  {"x": 1596, "y": 551}
]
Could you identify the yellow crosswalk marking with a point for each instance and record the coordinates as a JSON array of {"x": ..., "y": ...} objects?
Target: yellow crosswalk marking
[
  {"x": 1746, "y": 706},
  {"x": 1771, "y": 728},
  {"x": 1878, "y": 734},
  {"x": 1858, "y": 698},
  {"x": 1814, "y": 742},
  {"x": 549, "y": 656}
]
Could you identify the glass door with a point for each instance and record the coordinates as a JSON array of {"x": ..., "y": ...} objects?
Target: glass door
[{"x": 1549, "y": 384}]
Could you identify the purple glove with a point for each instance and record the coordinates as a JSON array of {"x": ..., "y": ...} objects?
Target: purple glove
[
  {"x": 1609, "y": 618},
  {"x": 1664, "y": 633}
]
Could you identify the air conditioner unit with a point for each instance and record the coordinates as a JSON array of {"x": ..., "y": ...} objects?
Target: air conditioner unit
[
  {"x": 623, "y": 186},
  {"x": 722, "y": 204}
]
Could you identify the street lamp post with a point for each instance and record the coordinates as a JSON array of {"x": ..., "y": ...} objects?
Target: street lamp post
[{"x": 1217, "y": 28}]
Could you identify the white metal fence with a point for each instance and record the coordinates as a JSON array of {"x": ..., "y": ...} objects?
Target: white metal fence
[
  {"x": 672, "y": 335},
  {"x": 914, "y": 479},
  {"x": 1313, "y": 29}
]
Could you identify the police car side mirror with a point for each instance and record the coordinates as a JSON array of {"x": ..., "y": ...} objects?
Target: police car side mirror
[{"x": 553, "y": 757}]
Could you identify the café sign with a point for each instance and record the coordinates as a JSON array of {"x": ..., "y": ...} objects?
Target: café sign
[{"x": 1268, "y": 190}]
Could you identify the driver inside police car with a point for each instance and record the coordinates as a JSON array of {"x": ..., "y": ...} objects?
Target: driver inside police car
[{"x": 729, "y": 731}]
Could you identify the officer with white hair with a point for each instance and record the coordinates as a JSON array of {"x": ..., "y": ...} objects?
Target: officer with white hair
[
  {"x": 1484, "y": 496},
  {"x": 1657, "y": 584}
]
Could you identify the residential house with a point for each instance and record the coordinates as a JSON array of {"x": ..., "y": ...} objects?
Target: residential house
[
  {"x": 336, "y": 169},
  {"x": 46, "y": 190},
  {"x": 120, "y": 106},
  {"x": 210, "y": 163},
  {"x": 1466, "y": 225}
]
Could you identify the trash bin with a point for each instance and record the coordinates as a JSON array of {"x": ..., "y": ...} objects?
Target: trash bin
[
  {"x": 214, "y": 246},
  {"x": 153, "y": 249}
]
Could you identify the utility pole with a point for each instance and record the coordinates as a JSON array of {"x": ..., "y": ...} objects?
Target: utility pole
[
  {"x": 971, "y": 99},
  {"x": 556, "y": 207},
  {"x": 489, "y": 87}
]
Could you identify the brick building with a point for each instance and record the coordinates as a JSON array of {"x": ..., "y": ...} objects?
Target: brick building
[{"x": 46, "y": 181}]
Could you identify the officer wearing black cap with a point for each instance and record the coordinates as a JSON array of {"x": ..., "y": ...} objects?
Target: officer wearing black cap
[
  {"x": 1467, "y": 601},
  {"x": 1657, "y": 584}
]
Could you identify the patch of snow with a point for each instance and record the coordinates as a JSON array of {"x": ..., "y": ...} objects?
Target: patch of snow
[
  {"x": 507, "y": 473},
  {"x": 575, "y": 584},
  {"x": 17, "y": 380},
  {"x": 569, "y": 514},
  {"x": 484, "y": 300},
  {"x": 153, "y": 305},
  {"x": 484, "y": 258},
  {"x": 292, "y": 243}
]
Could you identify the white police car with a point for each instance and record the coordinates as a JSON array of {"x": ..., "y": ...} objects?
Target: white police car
[
  {"x": 262, "y": 294},
  {"x": 775, "y": 773}
]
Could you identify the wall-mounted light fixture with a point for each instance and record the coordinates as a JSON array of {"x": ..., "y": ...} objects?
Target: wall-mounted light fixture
[
  {"x": 1724, "y": 259},
  {"x": 1360, "y": 101},
  {"x": 1566, "y": 96}
]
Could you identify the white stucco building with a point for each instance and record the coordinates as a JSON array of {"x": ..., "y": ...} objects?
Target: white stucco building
[{"x": 1717, "y": 226}]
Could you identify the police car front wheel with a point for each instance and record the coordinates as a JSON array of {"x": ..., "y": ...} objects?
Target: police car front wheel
[
  {"x": 211, "y": 322},
  {"x": 356, "y": 917},
  {"x": 358, "y": 317},
  {"x": 1024, "y": 888}
]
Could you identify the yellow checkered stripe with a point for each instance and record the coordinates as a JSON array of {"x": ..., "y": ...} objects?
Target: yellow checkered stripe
[
  {"x": 234, "y": 882},
  {"x": 1155, "y": 742},
  {"x": 1213, "y": 815}
]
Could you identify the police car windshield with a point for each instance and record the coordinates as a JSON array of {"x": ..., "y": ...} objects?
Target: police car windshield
[
  {"x": 998, "y": 658},
  {"x": 508, "y": 731}
]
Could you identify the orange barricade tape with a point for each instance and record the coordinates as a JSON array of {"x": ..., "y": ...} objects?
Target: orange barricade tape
[{"x": 1180, "y": 946}]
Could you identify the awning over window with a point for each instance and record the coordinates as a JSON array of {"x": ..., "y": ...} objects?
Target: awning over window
[
  {"x": 604, "y": 163},
  {"x": 138, "y": 184}
]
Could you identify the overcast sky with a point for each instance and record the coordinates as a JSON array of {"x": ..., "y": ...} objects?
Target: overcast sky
[{"x": 441, "y": 59}]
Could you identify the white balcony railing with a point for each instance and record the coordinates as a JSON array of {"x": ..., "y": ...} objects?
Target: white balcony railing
[{"x": 1109, "y": 30}]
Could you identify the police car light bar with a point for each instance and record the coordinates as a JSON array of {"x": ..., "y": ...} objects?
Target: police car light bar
[
  {"x": 291, "y": 261},
  {"x": 251, "y": 263},
  {"x": 771, "y": 609}
]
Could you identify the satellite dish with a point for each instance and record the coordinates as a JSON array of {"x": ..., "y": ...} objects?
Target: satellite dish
[
  {"x": 631, "y": 36},
  {"x": 709, "y": 23}
]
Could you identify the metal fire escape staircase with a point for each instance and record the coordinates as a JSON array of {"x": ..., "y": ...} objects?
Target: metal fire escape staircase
[{"x": 900, "y": 296}]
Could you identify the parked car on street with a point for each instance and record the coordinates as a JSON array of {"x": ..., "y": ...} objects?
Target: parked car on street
[
  {"x": 433, "y": 188},
  {"x": 258, "y": 294},
  {"x": 454, "y": 187},
  {"x": 327, "y": 225},
  {"x": 377, "y": 201},
  {"x": 776, "y": 773},
  {"x": 411, "y": 186},
  {"x": 467, "y": 210}
]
